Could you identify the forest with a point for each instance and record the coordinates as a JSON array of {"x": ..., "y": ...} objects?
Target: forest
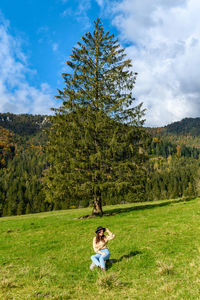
[{"x": 172, "y": 167}]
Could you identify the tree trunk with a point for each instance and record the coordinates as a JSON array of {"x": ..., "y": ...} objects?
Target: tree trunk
[{"x": 97, "y": 209}]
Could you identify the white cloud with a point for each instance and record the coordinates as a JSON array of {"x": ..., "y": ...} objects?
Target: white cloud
[
  {"x": 80, "y": 13},
  {"x": 55, "y": 47},
  {"x": 164, "y": 44},
  {"x": 100, "y": 2},
  {"x": 17, "y": 95}
]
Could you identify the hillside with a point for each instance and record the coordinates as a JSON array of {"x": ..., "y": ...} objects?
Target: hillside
[
  {"x": 27, "y": 124},
  {"x": 23, "y": 124},
  {"x": 155, "y": 253},
  {"x": 187, "y": 126},
  {"x": 172, "y": 170}
]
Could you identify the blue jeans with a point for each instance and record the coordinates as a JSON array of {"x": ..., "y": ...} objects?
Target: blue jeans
[{"x": 99, "y": 259}]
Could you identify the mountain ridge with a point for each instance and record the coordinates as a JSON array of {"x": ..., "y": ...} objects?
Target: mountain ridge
[{"x": 30, "y": 124}]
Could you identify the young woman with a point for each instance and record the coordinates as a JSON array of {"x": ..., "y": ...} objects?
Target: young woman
[{"x": 100, "y": 247}]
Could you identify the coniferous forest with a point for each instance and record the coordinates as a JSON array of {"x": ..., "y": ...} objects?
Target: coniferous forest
[{"x": 172, "y": 168}]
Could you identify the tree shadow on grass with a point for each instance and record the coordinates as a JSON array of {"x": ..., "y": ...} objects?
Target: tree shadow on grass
[
  {"x": 115, "y": 211},
  {"x": 126, "y": 256}
]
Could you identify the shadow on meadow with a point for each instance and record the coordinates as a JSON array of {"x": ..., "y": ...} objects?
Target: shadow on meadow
[
  {"x": 115, "y": 211},
  {"x": 126, "y": 256}
]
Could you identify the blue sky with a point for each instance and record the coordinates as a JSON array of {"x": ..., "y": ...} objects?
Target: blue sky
[
  {"x": 48, "y": 30},
  {"x": 161, "y": 37}
]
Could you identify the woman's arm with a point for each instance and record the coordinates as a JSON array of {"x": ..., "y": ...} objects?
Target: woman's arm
[{"x": 110, "y": 235}]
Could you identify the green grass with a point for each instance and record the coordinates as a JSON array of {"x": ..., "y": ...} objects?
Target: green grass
[{"x": 156, "y": 252}]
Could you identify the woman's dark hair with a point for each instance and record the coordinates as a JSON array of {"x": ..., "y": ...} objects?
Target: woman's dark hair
[{"x": 99, "y": 238}]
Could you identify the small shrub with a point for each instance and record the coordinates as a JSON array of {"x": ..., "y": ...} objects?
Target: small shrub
[
  {"x": 109, "y": 281},
  {"x": 165, "y": 269},
  {"x": 7, "y": 283}
]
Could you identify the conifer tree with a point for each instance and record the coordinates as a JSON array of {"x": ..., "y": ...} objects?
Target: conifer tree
[{"x": 96, "y": 142}]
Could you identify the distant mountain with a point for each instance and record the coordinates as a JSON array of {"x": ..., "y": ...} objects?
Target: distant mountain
[
  {"x": 23, "y": 124},
  {"x": 187, "y": 126},
  {"x": 27, "y": 124}
]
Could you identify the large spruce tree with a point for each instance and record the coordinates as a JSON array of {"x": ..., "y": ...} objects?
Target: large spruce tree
[{"x": 96, "y": 142}]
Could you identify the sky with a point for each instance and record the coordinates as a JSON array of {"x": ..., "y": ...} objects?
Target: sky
[{"x": 161, "y": 37}]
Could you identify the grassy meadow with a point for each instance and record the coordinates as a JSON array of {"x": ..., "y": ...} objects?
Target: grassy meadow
[{"x": 156, "y": 253}]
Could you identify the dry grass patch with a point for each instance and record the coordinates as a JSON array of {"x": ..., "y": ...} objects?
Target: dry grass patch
[
  {"x": 165, "y": 269},
  {"x": 109, "y": 281},
  {"x": 7, "y": 283}
]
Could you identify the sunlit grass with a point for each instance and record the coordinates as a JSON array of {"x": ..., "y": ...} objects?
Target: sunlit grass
[{"x": 156, "y": 254}]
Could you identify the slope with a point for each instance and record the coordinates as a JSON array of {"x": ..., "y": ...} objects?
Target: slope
[{"x": 156, "y": 253}]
